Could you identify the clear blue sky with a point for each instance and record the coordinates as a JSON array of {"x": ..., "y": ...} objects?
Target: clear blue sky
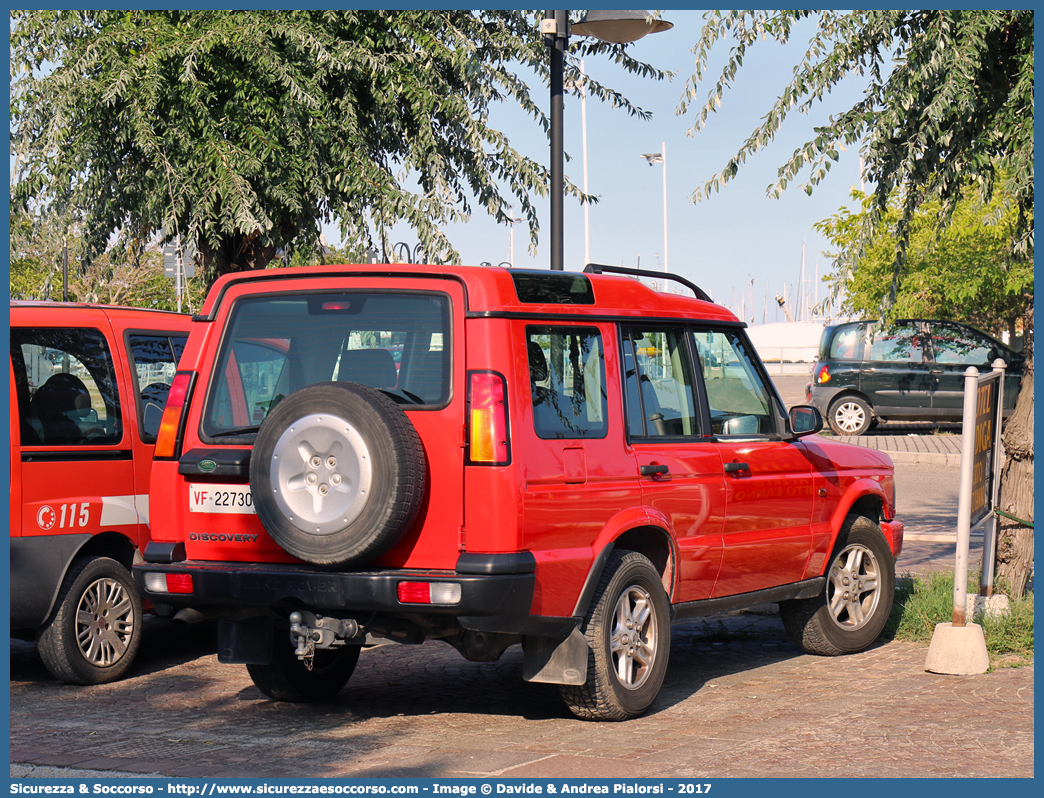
[{"x": 721, "y": 243}]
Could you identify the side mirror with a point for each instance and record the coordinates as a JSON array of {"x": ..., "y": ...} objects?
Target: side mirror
[{"x": 805, "y": 420}]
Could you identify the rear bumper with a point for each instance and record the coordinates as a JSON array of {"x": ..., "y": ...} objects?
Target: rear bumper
[
  {"x": 893, "y": 531},
  {"x": 489, "y": 601}
]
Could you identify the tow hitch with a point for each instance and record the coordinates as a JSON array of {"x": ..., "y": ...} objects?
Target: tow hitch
[{"x": 312, "y": 631}]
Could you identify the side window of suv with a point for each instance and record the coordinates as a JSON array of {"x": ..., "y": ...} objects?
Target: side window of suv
[
  {"x": 155, "y": 359},
  {"x": 71, "y": 383},
  {"x": 567, "y": 381},
  {"x": 658, "y": 382},
  {"x": 739, "y": 401}
]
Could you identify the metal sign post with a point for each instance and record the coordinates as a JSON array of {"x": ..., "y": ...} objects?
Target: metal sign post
[
  {"x": 960, "y": 647},
  {"x": 993, "y": 466}
]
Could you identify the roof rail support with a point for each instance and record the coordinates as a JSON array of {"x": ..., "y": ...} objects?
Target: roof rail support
[{"x": 599, "y": 268}]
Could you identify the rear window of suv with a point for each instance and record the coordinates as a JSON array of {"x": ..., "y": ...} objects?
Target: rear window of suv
[{"x": 396, "y": 342}]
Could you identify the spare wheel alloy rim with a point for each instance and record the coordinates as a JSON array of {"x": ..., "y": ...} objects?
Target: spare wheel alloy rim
[{"x": 321, "y": 474}]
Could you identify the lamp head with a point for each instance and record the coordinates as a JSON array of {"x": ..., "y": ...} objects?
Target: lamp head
[{"x": 619, "y": 27}]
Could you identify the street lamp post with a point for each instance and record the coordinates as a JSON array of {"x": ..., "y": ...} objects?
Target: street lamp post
[{"x": 617, "y": 27}]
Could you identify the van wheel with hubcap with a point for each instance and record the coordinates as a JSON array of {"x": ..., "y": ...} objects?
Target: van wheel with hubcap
[
  {"x": 96, "y": 628},
  {"x": 286, "y": 678},
  {"x": 628, "y": 637},
  {"x": 854, "y": 606},
  {"x": 850, "y": 415},
  {"x": 337, "y": 473}
]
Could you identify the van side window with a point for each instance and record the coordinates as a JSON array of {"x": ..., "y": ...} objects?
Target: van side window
[
  {"x": 901, "y": 343},
  {"x": 70, "y": 380},
  {"x": 847, "y": 343},
  {"x": 958, "y": 345},
  {"x": 155, "y": 359},
  {"x": 567, "y": 382}
]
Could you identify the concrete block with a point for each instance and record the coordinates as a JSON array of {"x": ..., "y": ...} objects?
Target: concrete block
[
  {"x": 957, "y": 650},
  {"x": 994, "y": 606}
]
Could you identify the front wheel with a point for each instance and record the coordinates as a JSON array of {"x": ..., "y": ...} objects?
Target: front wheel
[
  {"x": 287, "y": 678},
  {"x": 96, "y": 628},
  {"x": 850, "y": 415},
  {"x": 854, "y": 606},
  {"x": 628, "y": 637}
]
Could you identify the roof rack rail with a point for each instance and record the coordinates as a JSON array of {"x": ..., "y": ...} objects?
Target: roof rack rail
[{"x": 598, "y": 268}]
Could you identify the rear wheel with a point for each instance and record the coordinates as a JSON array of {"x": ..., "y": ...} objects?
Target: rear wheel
[
  {"x": 850, "y": 415},
  {"x": 287, "y": 678},
  {"x": 854, "y": 606},
  {"x": 96, "y": 628},
  {"x": 628, "y": 637}
]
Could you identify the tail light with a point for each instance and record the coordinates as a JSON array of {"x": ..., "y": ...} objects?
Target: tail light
[
  {"x": 488, "y": 442},
  {"x": 168, "y": 583},
  {"x": 168, "y": 439},
  {"x": 823, "y": 375},
  {"x": 429, "y": 592}
]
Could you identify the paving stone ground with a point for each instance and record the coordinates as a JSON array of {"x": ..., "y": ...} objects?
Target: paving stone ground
[{"x": 740, "y": 700}]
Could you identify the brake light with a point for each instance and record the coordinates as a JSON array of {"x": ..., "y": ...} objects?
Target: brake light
[
  {"x": 429, "y": 592},
  {"x": 173, "y": 415},
  {"x": 168, "y": 583},
  {"x": 823, "y": 377},
  {"x": 488, "y": 442}
]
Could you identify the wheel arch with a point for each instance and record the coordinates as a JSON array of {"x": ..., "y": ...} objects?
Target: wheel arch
[
  {"x": 105, "y": 544},
  {"x": 864, "y": 497},
  {"x": 108, "y": 544},
  {"x": 851, "y": 392},
  {"x": 649, "y": 540}
]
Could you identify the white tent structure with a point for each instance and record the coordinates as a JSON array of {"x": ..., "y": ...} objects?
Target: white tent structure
[{"x": 786, "y": 347}]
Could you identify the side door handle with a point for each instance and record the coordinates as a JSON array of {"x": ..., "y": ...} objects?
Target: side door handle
[
  {"x": 653, "y": 470},
  {"x": 732, "y": 468}
]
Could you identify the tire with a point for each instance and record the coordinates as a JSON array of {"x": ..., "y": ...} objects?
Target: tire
[
  {"x": 338, "y": 473},
  {"x": 843, "y": 620},
  {"x": 95, "y": 632},
  {"x": 625, "y": 666},
  {"x": 850, "y": 415},
  {"x": 286, "y": 678}
]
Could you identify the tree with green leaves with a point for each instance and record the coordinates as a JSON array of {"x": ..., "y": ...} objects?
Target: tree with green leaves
[
  {"x": 965, "y": 272},
  {"x": 947, "y": 115},
  {"x": 244, "y": 131},
  {"x": 47, "y": 254}
]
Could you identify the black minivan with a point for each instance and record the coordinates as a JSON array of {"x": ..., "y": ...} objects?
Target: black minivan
[{"x": 912, "y": 370}]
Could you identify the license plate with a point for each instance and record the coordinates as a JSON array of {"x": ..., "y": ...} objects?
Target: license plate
[{"x": 211, "y": 498}]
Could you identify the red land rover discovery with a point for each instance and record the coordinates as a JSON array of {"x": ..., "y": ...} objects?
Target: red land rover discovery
[{"x": 359, "y": 455}]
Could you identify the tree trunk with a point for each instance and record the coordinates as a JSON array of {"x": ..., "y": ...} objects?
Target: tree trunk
[{"x": 1015, "y": 539}]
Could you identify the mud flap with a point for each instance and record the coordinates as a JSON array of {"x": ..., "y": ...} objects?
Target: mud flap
[
  {"x": 556, "y": 662},
  {"x": 246, "y": 642}
]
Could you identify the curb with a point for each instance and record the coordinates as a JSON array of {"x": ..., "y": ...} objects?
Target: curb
[{"x": 934, "y": 458}]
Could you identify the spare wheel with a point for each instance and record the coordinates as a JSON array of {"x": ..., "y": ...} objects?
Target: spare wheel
[{"x": 337, "y": 473}]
